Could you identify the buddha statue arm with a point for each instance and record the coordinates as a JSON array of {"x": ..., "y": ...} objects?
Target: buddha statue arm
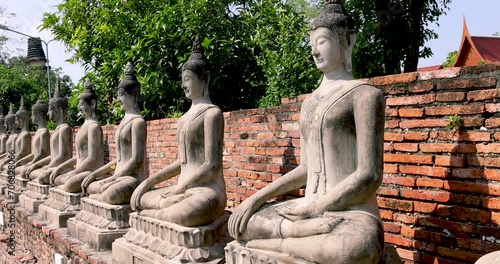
[
  {"x": 138, "y": 141},
  {"x": 25, "y": 160},
  {"x": 207, "y": 172},
  {"x": 44, "y": 147},
  {"x": 94, "y": 135},
  {"x": 362, "y": 184},
  {"x": 66, "y": 166},
  {"x": 38, "y": 164},
  {"x": 65, "y": 145},
  {"x": 293, "y": 180}
]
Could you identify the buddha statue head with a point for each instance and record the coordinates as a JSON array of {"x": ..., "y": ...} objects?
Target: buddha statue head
[
  {"x": 196, "y": 73},
  {"x": 58, "y": 105},
  {"x": 129, "y": 89},
  {"x": 10, "y": 119},
  {"x": 88, "y": 100},
  {"x": 39, "y": 112},
  {"x": 22, "y": 116},
  {"x": 2, "y": 121},
  {"x": 332, "y": 38}
]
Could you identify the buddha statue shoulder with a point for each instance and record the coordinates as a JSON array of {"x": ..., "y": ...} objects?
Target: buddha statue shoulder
[
  {"x": 115, "y": 182},
  {"x": 199, "y": 197},
  {"x": 341, "y": 152}
]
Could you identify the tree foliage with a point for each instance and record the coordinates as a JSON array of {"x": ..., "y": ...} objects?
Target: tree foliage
[
  {"x": 450, "y": 59},
  {"x": 258, "y": 49},
  {"x": 392, "y": 34}
]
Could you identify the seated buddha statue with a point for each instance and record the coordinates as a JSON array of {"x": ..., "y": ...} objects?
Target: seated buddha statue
[
  {"x": 199, "y": 197},
  {"x": 89, "y": 147},
  {"x": 23, "y": 140},
  {"x": 3, "y": 134},
  {"x": 10, "y": 143},
  {"x": 128, "y": 169},
  {"x": 61, "y": 141},
  {"x": 341, "y": 150},
  {"x": 40, "y": 144}
]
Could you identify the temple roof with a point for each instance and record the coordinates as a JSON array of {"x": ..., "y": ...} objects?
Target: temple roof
[{"x": 476, "y": 49}]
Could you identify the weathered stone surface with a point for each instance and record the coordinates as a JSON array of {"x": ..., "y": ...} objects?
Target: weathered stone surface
[
  {"x": 99, "y": 224},
  {"x": 236, "y": 254},
  {"x": 491, "y": 258},
  {"x": 60, "y": 207},
  {"x": 34, "y": 196},
  {"x": 154, "y": 241}
]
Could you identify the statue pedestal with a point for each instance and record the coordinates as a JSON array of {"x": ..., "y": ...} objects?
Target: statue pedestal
[
  {"x": 151, "y": 241},
  {"x": 21, "y": 185},
  {"x": 237, "y": 253},
  {"x": 34, "y": 196},
  {"x": 4, "y": 177},
  {"x": 99, "y": 224},
  {"x": 60, "y": 207}
]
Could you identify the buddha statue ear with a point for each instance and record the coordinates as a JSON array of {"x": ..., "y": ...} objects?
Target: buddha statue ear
[
  {"x": 206, "y": 94},
  {"x": 351, "y": 40}
]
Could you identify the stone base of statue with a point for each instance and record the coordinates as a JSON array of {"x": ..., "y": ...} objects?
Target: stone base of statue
[
  {"x": 99, "y": 224},
  {"x": 21, "y": 185},
  {"x": 60, "y": 207},
  {"x": 3, "y": 183},
  {"x": 237, "y": 253},
  {"x": 153, "y": 241},
  {"x": 34, "y": 196}
]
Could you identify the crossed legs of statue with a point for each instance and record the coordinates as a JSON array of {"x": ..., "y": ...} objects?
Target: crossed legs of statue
[
  {"x": 196, "y": 207},
  {"x": 335, "y": 237},
  {"x": 71, "y": 182},
  {"x": 42, "y": 174},
  {"x": 113, "y": 190}
]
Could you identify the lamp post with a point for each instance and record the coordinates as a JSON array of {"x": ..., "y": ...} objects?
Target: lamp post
[{"x": 33, "y": 41}]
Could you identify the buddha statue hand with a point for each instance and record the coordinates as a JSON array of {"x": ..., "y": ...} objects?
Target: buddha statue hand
[
  {"x": 135, "y": 200},
  {"x": 53, "y": 176},
  {"x": 239, "y": 218},
  {"x": 87, "y": 181},
  {"x": 28, "y": 171},
  {"x": 173, "y": 190},
  {"x": 302, "y": 211}
]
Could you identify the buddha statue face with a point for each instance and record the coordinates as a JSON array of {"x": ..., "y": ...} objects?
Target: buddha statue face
[
  {"x": 86, "y": 108},
  {"x": 127, "y": 101},
  {"x": 330, "y": 53},
  {"x": 54, "y": 113},
  {"x": 192, "y": 85}
]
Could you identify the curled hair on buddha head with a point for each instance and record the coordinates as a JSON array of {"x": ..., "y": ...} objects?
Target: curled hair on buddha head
[
  {"x": 334, "y": 16},
  {"x": 41, "y": 108},
  {"x": 22, "y": 113},
  {"x": 57, "y": 100},
  {"x": 129, "y": 82},
  {"x": 199, "y": 64},
  {"x": 10, "y": 118}
]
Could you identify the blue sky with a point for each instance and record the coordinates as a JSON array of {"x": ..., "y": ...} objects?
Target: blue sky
[{"x": 482, "y": 19}]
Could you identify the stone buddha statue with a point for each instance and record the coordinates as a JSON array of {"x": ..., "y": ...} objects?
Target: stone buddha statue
[
  {"x": 128, "y": 169},
  {"x": 3, "y": 134},
  {"x": 22, "y": 144},
  {"x": 199, "y": 197},
  {"x": 10, "y": 124},
  {"x": 61, "y": 141},
  {"x": 89, "y": 147},
  {"x": 341, "y": 128},
  {"x": 40, "y": 146}
]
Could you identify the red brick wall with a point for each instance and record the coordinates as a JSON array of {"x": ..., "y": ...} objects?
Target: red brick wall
[{"x": 440, "y": 197}]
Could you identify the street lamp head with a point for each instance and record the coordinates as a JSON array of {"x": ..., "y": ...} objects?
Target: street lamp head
[
  {"x": 4, "y": 27},
  {"x": 36, "y": 56}
]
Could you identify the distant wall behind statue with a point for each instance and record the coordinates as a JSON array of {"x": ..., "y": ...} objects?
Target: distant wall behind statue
[{"x": 440, "y": 197}]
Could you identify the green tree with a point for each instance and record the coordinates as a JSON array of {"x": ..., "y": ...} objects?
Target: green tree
[
  {"x": 450, "y": 59},
  {"x": 392, "y": 34},
  {"x": 251, "y": 44}
]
